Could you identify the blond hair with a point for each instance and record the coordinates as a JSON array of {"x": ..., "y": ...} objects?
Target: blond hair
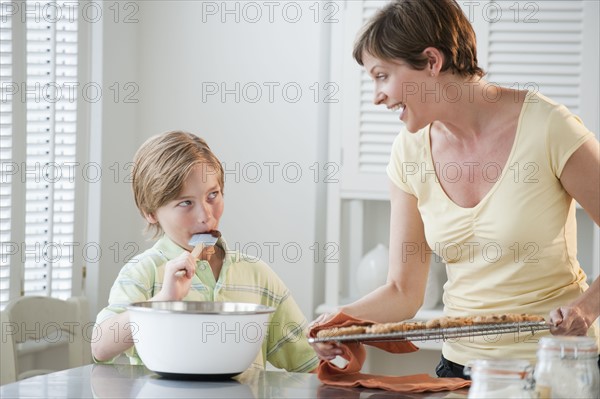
[
  {"x": 161, "y": 166},
  {"x": 403, "y": 29}
]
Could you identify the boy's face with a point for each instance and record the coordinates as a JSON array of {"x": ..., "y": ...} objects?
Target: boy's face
[{"x": 197, "y": 209}]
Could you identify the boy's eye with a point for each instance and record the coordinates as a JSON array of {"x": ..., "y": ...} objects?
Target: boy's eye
[
  {"x": 213, "y": 195},
  {"x": 185, "y": 203}
]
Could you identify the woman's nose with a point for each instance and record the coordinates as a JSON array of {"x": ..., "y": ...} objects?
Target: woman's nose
[{"x": 379, "y": 97}]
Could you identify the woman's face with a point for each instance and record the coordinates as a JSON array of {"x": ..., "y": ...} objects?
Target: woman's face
[
  {"x": 196, "y": 210},
  {"x": 403, "y": 89}
]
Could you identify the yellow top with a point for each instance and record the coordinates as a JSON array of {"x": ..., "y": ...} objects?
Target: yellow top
[{"x": 515, "y": 251}]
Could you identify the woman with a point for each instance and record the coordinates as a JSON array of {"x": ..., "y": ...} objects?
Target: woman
[{"x": 485, "y": 177}]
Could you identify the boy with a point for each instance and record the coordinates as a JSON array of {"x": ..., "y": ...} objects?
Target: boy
[{"x": 178, "y": 188}]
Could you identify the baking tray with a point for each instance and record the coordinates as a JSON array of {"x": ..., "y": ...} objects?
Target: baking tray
[{"x": 443, "y": 334}]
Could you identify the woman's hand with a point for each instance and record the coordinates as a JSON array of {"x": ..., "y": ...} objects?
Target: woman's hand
[
  {"x": 568, "y": 320},
  {"x": 178, "y": 278},
  {"x": 576, "y": 317},
  {"x": 325, "y": 350}
]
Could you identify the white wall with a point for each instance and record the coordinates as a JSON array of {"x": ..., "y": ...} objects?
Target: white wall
[
  {"x": 272, "y": 143},
  {"x": 113, "y": 222}
]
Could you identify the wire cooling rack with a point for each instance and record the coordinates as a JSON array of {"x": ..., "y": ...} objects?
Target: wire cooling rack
[{"x": 443, "y": 334}]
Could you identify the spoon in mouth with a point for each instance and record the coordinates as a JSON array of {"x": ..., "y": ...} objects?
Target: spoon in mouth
[
  {"x": 200, "y": 241},
  {"x": 204, "y": 239}
]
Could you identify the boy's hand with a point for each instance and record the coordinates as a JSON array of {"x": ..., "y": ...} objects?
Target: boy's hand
[{"x": 178, "y": 278}]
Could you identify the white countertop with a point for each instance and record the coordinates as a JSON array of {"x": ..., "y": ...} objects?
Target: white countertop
[{"x": 125, "y": 381}]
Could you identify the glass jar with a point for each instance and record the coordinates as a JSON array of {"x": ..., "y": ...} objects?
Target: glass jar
[
  {"x": 500, "y": 379},
  {"x": 567, "y": 368}
]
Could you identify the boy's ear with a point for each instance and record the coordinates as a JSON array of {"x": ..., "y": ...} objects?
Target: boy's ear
[{"x": 150, "y": 218}]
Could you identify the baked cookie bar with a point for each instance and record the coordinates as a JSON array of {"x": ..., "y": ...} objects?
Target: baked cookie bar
[{"x": 339, "y": 331}]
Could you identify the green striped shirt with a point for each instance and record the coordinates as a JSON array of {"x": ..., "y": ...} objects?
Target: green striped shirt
[{"x": 242, "y": 279}]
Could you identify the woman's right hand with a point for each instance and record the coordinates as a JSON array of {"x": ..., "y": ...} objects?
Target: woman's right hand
[
  {"x": 325, "y": 350},
  {"x": 178, "y": 278}
]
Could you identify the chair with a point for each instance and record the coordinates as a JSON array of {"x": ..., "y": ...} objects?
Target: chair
[{"x": 41, "y": 335}]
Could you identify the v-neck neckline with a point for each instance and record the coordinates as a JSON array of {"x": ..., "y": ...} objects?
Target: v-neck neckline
[{"x": 504, "y": 169}]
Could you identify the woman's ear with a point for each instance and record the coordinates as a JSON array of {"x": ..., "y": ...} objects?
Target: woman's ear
[{"x": 435, "y": 60}]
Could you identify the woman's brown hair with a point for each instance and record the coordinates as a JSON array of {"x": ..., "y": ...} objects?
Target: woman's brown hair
[{"x": 404, "y": 28}]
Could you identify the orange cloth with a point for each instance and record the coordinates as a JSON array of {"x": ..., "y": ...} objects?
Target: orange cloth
[{"x": 355, "y": 354}]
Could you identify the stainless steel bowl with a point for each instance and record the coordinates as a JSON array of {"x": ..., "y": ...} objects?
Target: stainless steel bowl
[{"x": 202, "y": 307}]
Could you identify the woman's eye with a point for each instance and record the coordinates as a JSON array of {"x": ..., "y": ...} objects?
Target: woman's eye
[{"x": 380, "y": 76}]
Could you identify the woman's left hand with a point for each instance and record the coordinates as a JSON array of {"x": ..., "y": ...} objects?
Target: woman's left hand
[
  {"x": 568, "y": 320},
  {"x": 325, "y": 350}
]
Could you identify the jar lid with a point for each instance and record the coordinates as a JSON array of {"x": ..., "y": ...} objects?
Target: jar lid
[
  {"x": 568, "y": 347},
  {"x": 568, "y": 343},
  {"x": 500, "y": 368}
]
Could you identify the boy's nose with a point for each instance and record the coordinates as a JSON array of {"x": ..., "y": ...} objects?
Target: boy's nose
[{"x": 203, "y": 214}]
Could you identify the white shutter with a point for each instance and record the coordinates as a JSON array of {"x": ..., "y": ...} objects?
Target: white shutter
[
  {"x": 538, "y": 46},
  {"x": 44, "y": 262},
  {"x": 369, "y": 132},
  {"x": 378, "y": 126},
  {"x": 6, "y": 118},
  {"x": 522, "y": 44}
]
